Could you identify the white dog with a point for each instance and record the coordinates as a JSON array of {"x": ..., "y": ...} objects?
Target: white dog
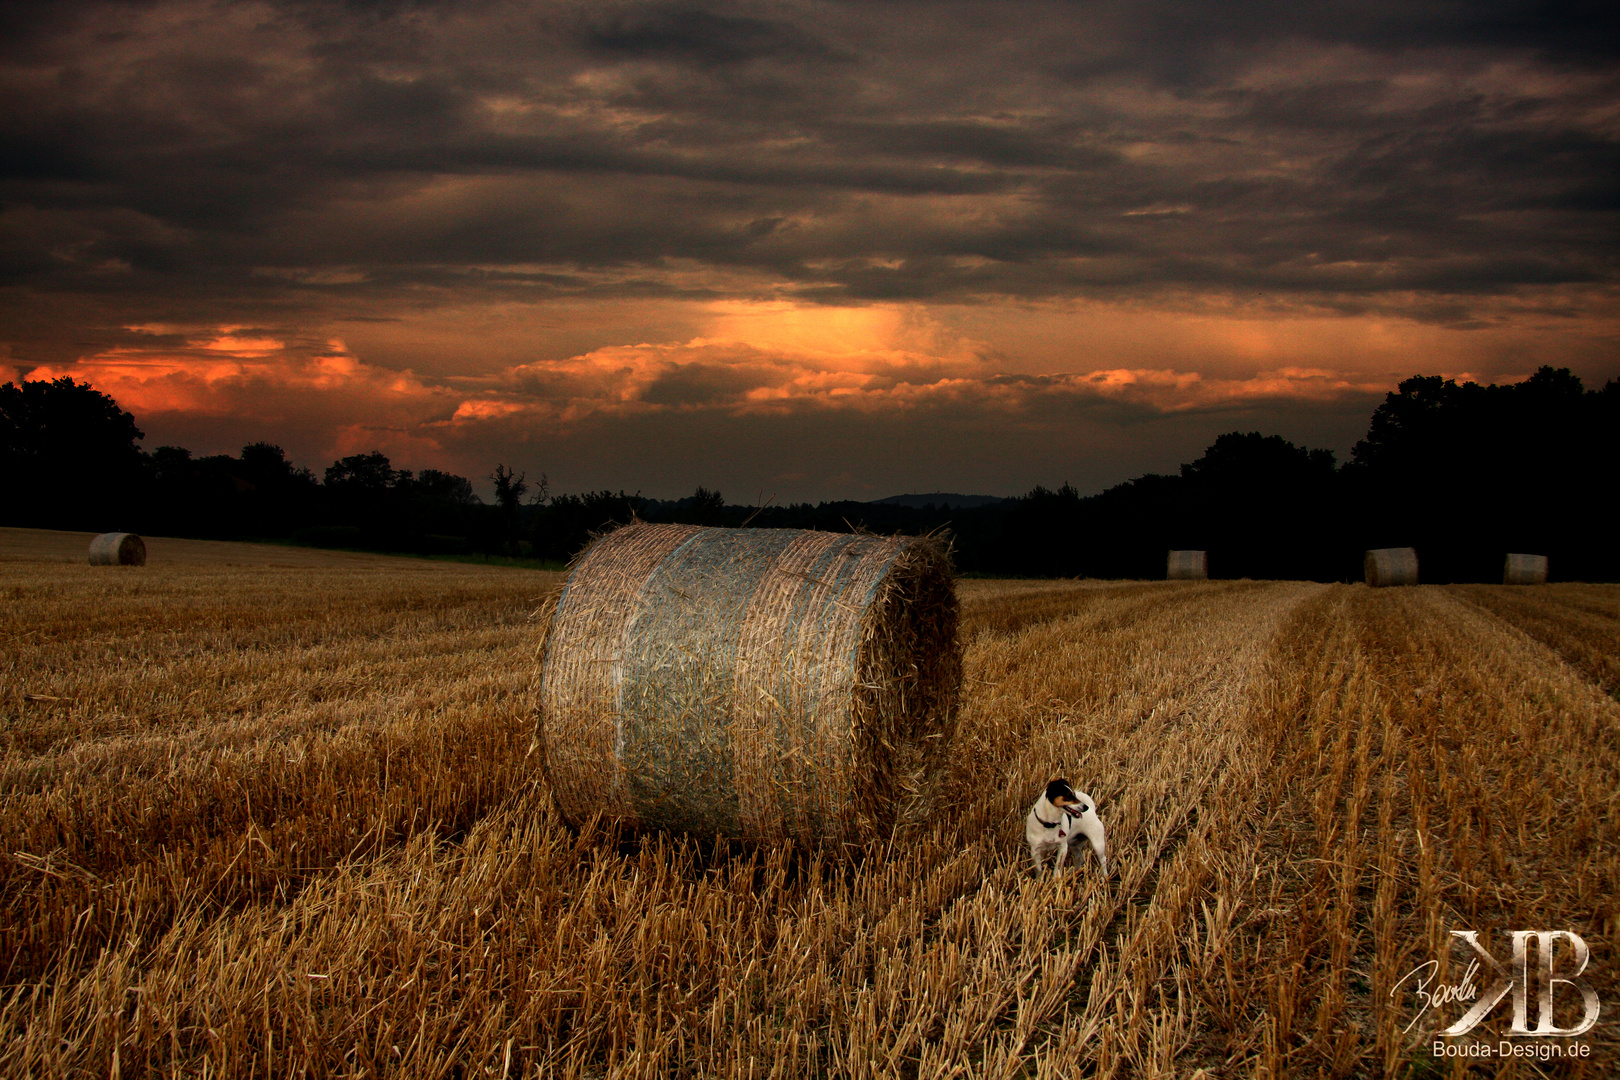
[{"x": 1059, "y": 816}]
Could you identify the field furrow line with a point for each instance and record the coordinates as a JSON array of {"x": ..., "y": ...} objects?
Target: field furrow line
[{"x": 1428, "y": 760}]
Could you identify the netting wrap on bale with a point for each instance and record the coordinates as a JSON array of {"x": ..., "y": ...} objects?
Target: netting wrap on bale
[
  {"x": 1187, "y": 566},
  {"x": 1391, "y": 566},
  {"x": 117, "y": 549},
  {"x": 750, "y": 683},
  {"x": 1525, "y": 570}
]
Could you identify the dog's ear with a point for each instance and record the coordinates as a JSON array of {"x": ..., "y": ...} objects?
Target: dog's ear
[{"x": 1058, "y": 788}]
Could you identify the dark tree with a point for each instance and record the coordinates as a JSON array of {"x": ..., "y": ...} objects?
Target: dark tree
[
  {"x": 702, "y": 507},
  {"x": 364, "y": 500},
  {"x": 190, "y": 496},
  {"x": 279, "y": 495},
  {"x": 68, "y": 456},
  {"x": 443, "y": 487},
  {"x": 1042, "y": 535},
  {"x": 266, "y": 465},
  {"x": 567, "y": 522},
  {"x": 368, "y": 474},
  {"x": 1466, "y": 472},
  {"x": 1262, "y": 508},
  {"x": 1243, "y": 463},
  {"x": 171, "y": 464},
  {"x": 509, "y": 490}
]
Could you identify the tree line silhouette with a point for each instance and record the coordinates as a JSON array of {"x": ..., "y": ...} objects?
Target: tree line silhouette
[{"x": 1461, "y": 471}]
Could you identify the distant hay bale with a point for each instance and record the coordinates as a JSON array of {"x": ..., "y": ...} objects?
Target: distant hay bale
[
  {"x": 750, "y": 683},
  {"x": 1525, "y": 570},
  {"x": 1391, "y": 566},
  {"x": 117, "y": 549},
  {"x": 1188, "y": 566}
]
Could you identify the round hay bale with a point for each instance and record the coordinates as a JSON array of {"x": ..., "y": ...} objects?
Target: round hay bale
[
  {"x": 1391, "y": 566},
  {"x": 117, "y": 549},
  {"x": 755, "y": 684},
  {"x": 1525, "y": 570},
  {"x": 1188, "y": 566}
]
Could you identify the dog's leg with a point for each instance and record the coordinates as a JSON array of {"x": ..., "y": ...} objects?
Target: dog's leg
[
  {"x": 1099, "y": 843},
  {"x": 1062, "y": 854}
]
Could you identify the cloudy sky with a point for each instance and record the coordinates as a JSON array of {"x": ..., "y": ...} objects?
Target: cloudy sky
[{"x": 803, "y": 249}]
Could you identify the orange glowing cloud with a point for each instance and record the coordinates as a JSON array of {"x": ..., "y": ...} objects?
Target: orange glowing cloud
[
  {"x": 611, "y": 415},
  {"x": 865, "y": 361},
  {"x": 221, "y": 374}
]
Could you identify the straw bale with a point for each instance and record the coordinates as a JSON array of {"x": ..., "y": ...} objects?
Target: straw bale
[
  {"x": 1188, "y": 566},
  {"x": 117, "y": 549},
  {"x": 755, "y": 684},
  {"x": 1391, "y": 566},
  {"x": 1524, "y": 570}
]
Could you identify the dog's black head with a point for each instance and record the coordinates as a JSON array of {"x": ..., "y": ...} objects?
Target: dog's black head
[{"x": 1062, "y": 796}]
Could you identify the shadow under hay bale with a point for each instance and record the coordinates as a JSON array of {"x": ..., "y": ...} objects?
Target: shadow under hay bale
[
  {"x": 1391, "y": 566},
  {"x": 756, "y": 684},
  {"x": 1524, "y": 570},
  {"x": 117, "y": 549},
  {"x": 1188, "y": 566}
]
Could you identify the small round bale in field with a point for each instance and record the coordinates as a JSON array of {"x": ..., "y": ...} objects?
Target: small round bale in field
[
  {"x": 1188, "y": 566},
  {"x": 1525, "y": 570},
  {"x": 758, "y": 684},
  {"x": 1391, "y": 566},
  {"x": 117, "y": 549}
]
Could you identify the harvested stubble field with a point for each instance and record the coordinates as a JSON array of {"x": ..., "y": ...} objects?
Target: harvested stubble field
[{"x": 280, "y": 821}]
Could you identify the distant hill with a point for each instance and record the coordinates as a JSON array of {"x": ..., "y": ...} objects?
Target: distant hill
[{"x": 940, "y": 499}]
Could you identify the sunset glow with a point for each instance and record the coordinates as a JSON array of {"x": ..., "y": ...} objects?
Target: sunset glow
[{"x": 819, "y": 248}]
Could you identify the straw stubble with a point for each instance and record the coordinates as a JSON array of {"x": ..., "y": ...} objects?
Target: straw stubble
[{"x": 281, "y": 822}]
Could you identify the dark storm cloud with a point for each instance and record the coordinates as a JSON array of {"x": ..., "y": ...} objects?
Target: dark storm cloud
[
  {"x": 163, "y": 157},
  {"x": 1199, "y": 44},
  {"x": 1582, "y": 29},
  {"x": 688, "y": 32}
]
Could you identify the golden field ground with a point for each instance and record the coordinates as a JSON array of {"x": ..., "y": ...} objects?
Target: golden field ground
[{"x": 279, "y": 820}]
